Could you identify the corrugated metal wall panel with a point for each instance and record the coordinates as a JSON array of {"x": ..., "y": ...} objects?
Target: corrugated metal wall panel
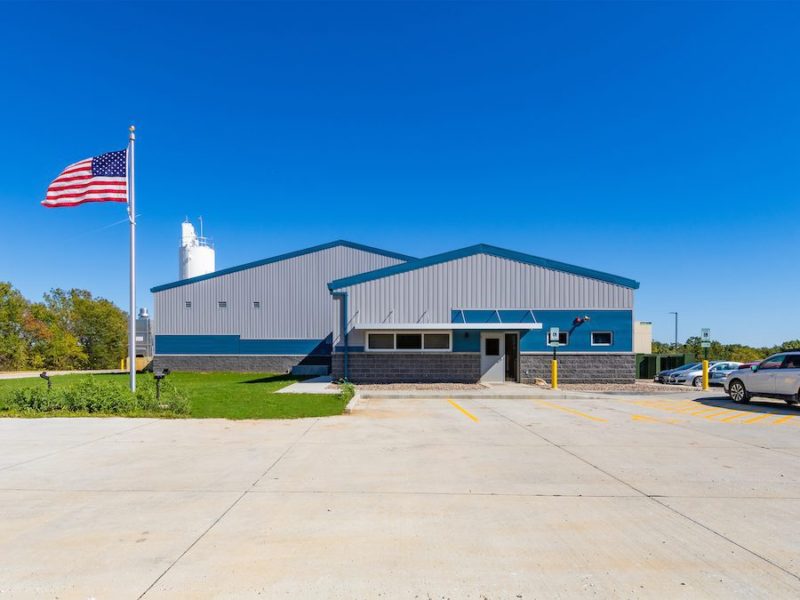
[
  {"x": 478, "y": 281},
  {"x": 295, "y": 301}
]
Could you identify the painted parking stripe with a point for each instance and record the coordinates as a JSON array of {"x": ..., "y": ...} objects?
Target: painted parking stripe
[
  {"x": 571, "y": 411},
  {"x": 758, "y": 418},
  {"x": 463, "y": 410},
  {"x": 785, "y": 419},
  {"x": 733, "y": 417}
]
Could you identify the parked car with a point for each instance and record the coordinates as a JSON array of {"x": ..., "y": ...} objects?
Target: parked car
[
  {"x": 663, "y": 376},
  {"x": 717, "y": 371},
  {"x": 694, "y": 376},
  {"x": 777, "y": 376}
]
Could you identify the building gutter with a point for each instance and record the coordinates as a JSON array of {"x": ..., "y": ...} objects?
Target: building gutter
[{"x": 343, "y": 328}]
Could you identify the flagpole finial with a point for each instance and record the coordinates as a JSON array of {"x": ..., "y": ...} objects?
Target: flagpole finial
[{"x": 133, "y": 131}]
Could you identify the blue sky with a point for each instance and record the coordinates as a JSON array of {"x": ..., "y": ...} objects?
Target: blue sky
[{"x": 659, "y": 142}]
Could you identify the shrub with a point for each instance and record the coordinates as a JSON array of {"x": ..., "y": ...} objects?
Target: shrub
[
  {"x": 348, "y": 391},
  {"x": 97, "y": 396}
]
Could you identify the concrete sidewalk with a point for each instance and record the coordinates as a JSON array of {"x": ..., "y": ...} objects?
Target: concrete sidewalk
[
  {"x": 316, "y": 385},
  {"x": 28, "y": 374},
  {"x": 511, "y": 391}
]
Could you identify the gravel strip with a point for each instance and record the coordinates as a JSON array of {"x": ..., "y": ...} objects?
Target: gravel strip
[{"x": 423, "y": 387}]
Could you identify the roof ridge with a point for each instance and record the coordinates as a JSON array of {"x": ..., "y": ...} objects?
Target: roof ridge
[
  {"x": 482, "y": 248},
  {"x": 281, "y": 257}
]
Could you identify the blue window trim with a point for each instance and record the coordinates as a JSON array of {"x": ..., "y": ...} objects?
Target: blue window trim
[
  {"x": 482, "y": 249},
  {"x": 280, "y": 257}
]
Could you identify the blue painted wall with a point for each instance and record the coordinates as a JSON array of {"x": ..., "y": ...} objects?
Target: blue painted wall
[
  {"x": 232, "y": 344},
  {"x": 619, "y": 322}
]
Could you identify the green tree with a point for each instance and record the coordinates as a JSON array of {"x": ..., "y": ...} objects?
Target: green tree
[
  {"x": 98, "y": 325},
  {"x": 50, "y": 345},
  {"x": 13, "y": 306}
]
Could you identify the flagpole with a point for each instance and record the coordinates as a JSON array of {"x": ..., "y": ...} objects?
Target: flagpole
[{"x": 132, "y": 219}]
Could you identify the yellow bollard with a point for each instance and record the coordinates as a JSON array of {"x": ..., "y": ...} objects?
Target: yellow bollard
[
  {"x": 705, "y": 374},
  {"x": 554, "y": 374}
]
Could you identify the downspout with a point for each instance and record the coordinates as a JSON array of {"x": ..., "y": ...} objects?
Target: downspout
[{"x": 343, "y": 329}]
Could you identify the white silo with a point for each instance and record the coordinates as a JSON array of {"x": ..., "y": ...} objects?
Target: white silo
[{"x": 196, "y": 254}]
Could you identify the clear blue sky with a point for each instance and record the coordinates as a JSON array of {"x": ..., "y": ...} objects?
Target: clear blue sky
[{"x": 656, "y": 141}]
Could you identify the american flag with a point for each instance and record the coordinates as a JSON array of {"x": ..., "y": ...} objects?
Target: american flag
[{"x": 98, "y": 179}]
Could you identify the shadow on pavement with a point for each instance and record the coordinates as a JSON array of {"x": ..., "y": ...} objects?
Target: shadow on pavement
[{"x": 760, "y": 405}]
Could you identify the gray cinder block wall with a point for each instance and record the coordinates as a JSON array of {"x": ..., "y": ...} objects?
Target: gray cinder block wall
[
  {"x": 580, "y": 368},
  {"x": 408, "y": 367},
  {"x": 463, "y": 367},
  {"x": 270, "y": 363}
]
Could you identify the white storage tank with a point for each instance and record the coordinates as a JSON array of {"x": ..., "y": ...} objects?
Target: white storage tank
[{"x": 195, "y": 255}]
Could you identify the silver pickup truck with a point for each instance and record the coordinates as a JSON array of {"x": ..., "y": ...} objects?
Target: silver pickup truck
[{"x": 777, "y": 376}]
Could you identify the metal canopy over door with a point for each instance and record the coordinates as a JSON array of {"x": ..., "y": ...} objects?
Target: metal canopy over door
[{"x": 493, "y": 354}]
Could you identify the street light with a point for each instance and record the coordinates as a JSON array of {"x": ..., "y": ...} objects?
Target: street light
[{"x": 676, "y": 328}]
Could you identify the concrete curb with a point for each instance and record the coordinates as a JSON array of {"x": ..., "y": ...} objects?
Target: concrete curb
[
  {"x": 352, "y": 404},
  {"x": 455, "y": 395}
]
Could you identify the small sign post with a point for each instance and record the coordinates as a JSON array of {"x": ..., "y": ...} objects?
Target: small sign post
[
  {"x": 552, "y": 340},
  {"x": 705, "y": 343}
]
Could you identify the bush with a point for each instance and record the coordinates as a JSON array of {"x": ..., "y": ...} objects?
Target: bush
[
  {"x": 348, "y": 391},
  {"x": 96, "y": 396}
]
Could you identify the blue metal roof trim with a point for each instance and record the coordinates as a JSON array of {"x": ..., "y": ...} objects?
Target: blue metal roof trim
[
  {"x": 280, "y": 257},
  {"x": 482, "y": 249}
]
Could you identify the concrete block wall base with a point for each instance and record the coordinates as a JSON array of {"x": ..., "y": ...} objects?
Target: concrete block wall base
[
  {"x": 580, "y": 368},
  {"x": 408, "y": 367},
  {"x": 465, "y": 367},
  {"x": 260, "y": 363}
]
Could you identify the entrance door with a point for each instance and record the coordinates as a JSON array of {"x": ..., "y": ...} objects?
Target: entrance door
[
  {"x": 512, "y": 357},
  {"x": 493, "y": 352}
]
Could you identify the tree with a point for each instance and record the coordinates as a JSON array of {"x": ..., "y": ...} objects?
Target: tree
[
  {"x": 98, "y": 325},
  {"x": 13, "y": 306}
]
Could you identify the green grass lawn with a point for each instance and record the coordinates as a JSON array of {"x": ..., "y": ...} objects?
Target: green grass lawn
[{"x": 216, "y": 395}]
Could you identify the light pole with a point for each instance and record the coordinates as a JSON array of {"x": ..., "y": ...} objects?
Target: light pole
[{"x": 676, "y": 329}]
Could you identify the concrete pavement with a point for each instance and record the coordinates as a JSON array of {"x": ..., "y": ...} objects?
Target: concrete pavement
[{"x": 520, "y": 498}]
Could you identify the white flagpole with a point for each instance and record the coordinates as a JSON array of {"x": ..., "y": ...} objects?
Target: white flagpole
[{"x": 132, "y": 219}]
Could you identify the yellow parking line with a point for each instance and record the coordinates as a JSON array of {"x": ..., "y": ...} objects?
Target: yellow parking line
[
  {"x": 783, "y": 419},
  {"x": 734, "y": 416},
  {"x": 572, "y": 411},
  {"x": 758, "y": 418},
  {"x": 716, "y": 414},
  {"x": 464, "y": 410}
]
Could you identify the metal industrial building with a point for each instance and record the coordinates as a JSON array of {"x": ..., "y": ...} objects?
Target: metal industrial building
[{"x": 476, "y": 314}]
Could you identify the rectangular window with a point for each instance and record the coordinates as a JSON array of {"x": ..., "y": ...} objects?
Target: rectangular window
[
  {"x": 256, "y": 304},
  {"x": 222, "y": 304},
  {"x": 437, "y": 341},
  {"x": 602, "y": 338},
  {"x": 187, "y": 304},
  {"x": 492, "y": 347},
  {"x": 563, "y": 338},
  {"x": 380, "y": 341},
  {"x": 409, "y": 341}
]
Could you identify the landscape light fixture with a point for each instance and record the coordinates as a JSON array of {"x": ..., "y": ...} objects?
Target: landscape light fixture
[
  {"x": 158, "y": 375},
  {"x": 46, "y": 377}
]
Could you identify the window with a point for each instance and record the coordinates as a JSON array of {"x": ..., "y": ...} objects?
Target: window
[
  {"x": 256, "y": 304},
  {"x": 380, "y": 341},
  {"x": 222, "y": 304},
  {"x": 602, "y": 338},
  {"x": 406, "y": 340},
  {"x": 187, "y": 304},
  {"x": 437, "y": 341},
  {"x": 792, "y": 362},
  {"x": 492, "y": 347},
  {"x": 563, "y": 337},
  {"x": 409, "y": 341},
  {"x": 773, "y": 362}
]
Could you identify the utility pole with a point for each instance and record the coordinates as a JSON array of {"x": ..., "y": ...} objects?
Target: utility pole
[{"x": 676, "y": 329}]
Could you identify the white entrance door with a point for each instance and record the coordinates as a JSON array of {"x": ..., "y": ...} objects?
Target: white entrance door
[{"x": 493, "y": 357}]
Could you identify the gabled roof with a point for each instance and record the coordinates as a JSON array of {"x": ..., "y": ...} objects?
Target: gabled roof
[
  {"x": 280, "y": 257},
  {"x": 482, "y": 249}
]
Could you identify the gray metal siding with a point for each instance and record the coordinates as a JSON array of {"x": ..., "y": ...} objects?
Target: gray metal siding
[
  {"x": 295, "y": 301},
  {"x": 428, "y": 294}
]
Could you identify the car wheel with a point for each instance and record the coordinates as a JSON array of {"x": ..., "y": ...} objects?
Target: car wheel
[
  {"x": 738, "y": 392},
  {"x": 697, "y": 382}
]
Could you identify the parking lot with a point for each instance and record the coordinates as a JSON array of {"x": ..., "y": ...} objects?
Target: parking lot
[{"x": 624, "y": 496}]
